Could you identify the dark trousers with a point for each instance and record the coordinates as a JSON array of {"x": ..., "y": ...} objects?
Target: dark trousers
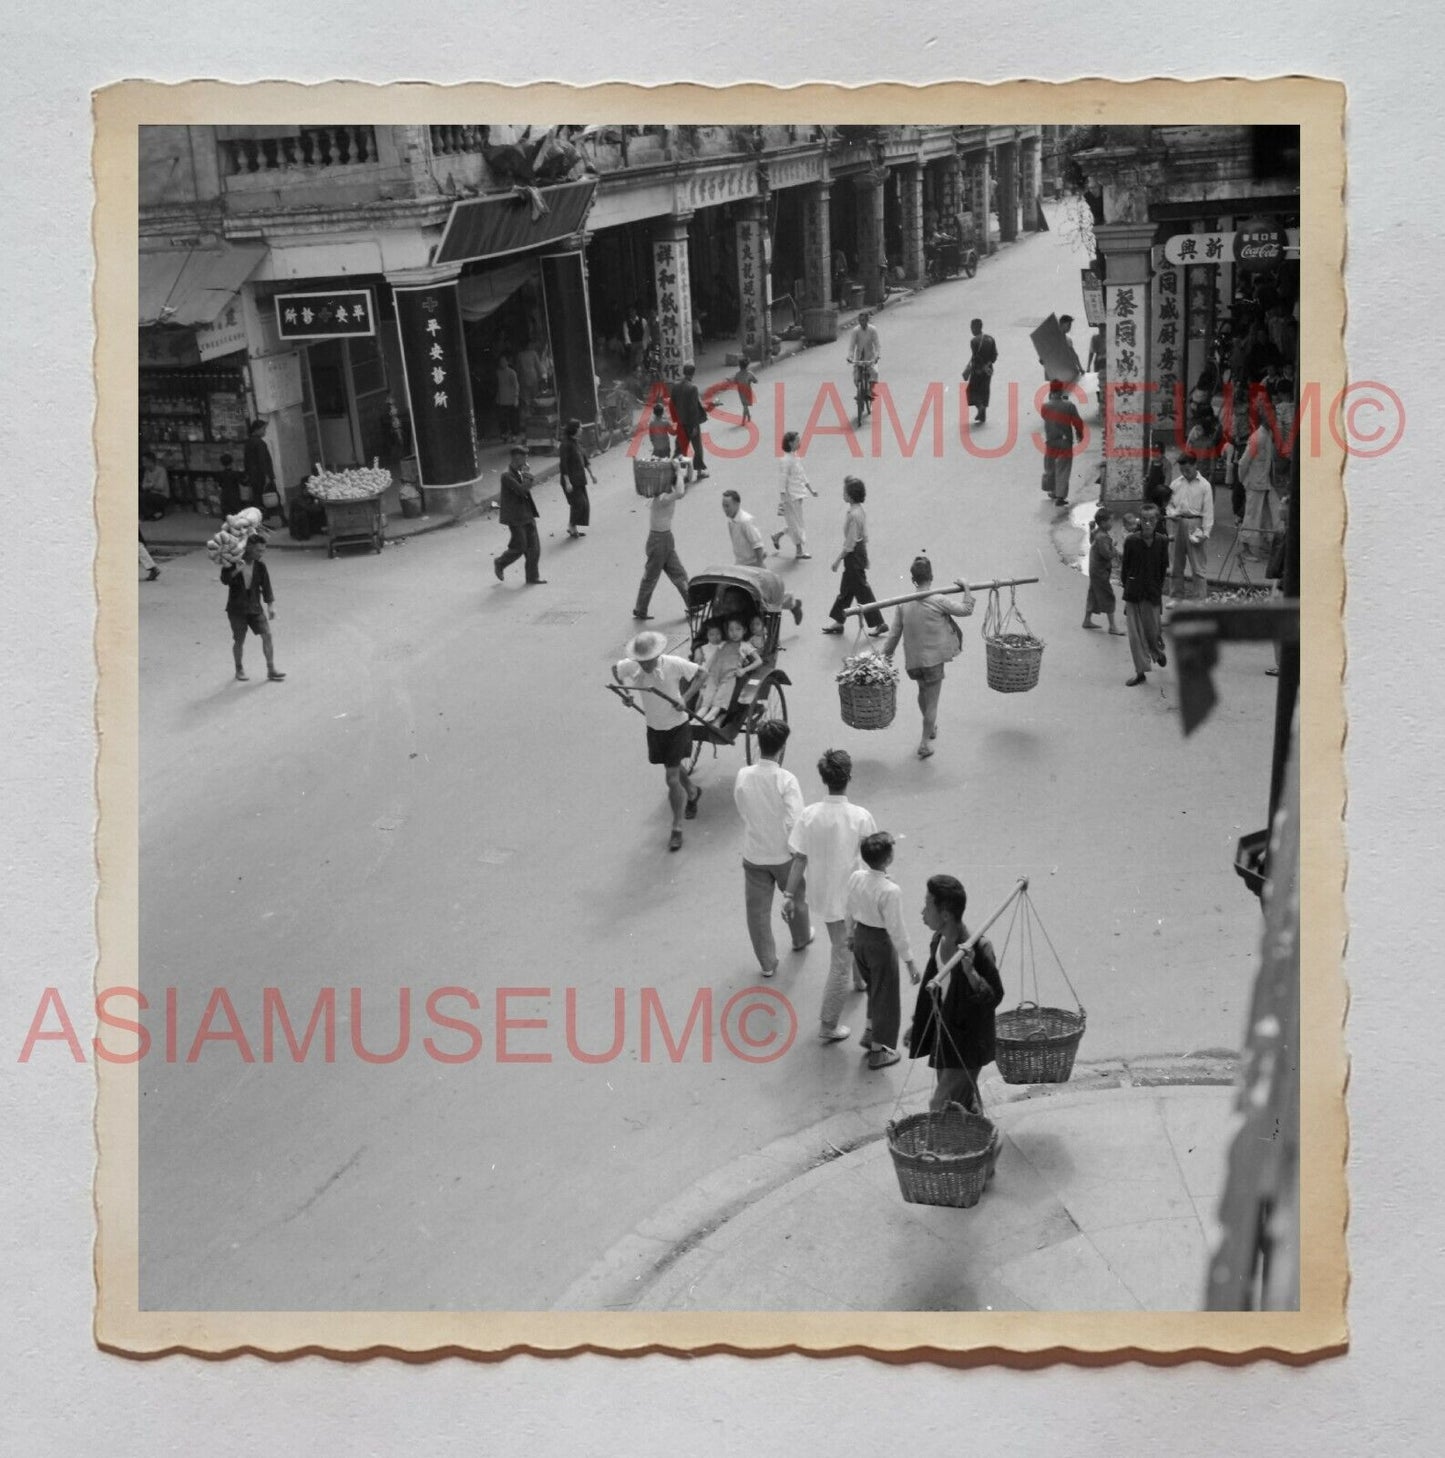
[
  {"x": 661, "y": 557},
  {"x": 1146, "y": 640},
  {"x": 876, "y": 960},
  {"x": 526, "y": 543},
  {"x": 691, "y": 436},
  {"x": 854, "y": 588},
  {"x": 580, "y": 505}
]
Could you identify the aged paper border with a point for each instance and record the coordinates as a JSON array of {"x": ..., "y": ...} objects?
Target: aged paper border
[{"x": 1020, "y": 1338}]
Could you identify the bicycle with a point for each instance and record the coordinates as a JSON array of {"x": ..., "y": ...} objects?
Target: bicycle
[{"x": 865, "y": 376}]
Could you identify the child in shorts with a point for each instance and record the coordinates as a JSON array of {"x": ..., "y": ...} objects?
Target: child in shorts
[{"x": 745, "y": 379}]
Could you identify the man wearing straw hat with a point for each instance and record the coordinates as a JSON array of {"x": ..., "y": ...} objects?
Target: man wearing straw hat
[{"x": 663, "y": 681}]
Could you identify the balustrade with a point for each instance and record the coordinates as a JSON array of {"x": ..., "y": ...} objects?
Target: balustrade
[{"x": 308, "y": 147}]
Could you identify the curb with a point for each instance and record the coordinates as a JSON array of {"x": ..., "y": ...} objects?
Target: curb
[{"x": 617, "y": 1280}]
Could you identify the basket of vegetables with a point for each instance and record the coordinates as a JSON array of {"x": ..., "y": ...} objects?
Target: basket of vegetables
[{"x": 868, "y": 691}]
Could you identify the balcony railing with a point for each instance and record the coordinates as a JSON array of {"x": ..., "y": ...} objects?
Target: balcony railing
[
  {"x": 450, "y": 141},
  {"x": 306, "y": 148}
]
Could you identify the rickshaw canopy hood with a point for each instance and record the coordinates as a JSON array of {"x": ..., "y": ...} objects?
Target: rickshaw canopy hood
[{"x": 763, "y": 587}]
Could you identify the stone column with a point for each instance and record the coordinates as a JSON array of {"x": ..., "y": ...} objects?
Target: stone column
[
  {"x": 817, "y": 247},
  {"x": 1008, "y": 192},
  {"x": 952, "y": 188},
  {"x": 1125, "y": 248},
  {"x": 1030, "y": 176},
  {"x": 438, "y": 386},
  {"x": 915, "y": 267},
  {"x": 673, "y": 281},
  {"x": 755, "y": 325},
  {"x": 870, "y": 232},
  {"x": 980, "y": 178}
]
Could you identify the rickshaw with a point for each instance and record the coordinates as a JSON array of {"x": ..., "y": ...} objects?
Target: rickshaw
[
  {"x": 746, "y": 592},
  {"x": 724, "y": 592}
]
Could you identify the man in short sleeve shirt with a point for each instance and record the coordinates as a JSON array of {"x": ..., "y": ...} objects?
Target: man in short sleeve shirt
[{"x": 658, "y": 683}]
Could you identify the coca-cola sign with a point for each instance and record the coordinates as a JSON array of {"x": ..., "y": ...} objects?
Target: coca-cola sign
[{"x": 1260, "y": 245}]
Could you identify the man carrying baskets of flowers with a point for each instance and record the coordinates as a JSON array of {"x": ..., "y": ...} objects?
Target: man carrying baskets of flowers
[{"x": 930, "y": 639}]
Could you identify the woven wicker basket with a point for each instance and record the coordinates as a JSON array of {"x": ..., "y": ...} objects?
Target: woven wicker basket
[
  {"x": 1013, "y": 662},
  {"x": 868, "y": 705},
  {"x": 943, "y": 1158},
  {"x": 1037, "y": 1044},
  {"x": 651, "y": 476}
]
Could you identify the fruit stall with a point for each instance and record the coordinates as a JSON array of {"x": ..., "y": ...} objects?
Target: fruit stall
[{"x": 352, "y": 500}]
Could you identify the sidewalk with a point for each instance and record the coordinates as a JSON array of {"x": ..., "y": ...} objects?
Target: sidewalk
[{"x": 1105, "y": 1198}]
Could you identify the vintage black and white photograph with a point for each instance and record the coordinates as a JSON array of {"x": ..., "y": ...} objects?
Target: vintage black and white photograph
[{"x": 718, "y": 712}]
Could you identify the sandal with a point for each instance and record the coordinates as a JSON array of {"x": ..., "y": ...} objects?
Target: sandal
[
  {"x": 674, "y": 841},
  {"x": 690, "y": 813}
]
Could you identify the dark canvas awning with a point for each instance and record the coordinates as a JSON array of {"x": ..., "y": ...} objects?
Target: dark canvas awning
[
  {"x": 193, "y": 285},
  {"x": 491, "y": 227}
]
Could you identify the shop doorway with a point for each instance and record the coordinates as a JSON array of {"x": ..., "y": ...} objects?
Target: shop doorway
[{"x": 346, "y": 403}]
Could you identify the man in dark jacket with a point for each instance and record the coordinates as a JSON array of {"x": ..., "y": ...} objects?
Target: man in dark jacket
[
  {"x": 517, "y": 511},
  {"x": 953, "y": 1021},
  {"x": 1062, "y": 426},
  {"x": 687, "y": 410},
  {"x": 260, "y": 470},
  {"x": 251, "y": 605},
  {"x": 1145, "y": 566}
]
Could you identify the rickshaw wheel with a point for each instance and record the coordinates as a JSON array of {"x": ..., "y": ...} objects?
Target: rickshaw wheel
[{"x": 771, "y": 704}]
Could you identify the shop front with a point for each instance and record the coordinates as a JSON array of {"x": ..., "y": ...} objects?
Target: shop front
[{"x": 193, "y": 389}]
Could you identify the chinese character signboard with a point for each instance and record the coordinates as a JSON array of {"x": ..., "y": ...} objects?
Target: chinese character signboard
[
  {"x": 1259, "y": 244},
  {"x": 224, "y": 335},
  {"x": 1093, "y": 297},
  {"x": 338, "y": 312},
  {"x": 753, "y": 276},
  {"x": 433, "y": 356},
  {"x": 674, "y": 305},
  {"x": 709, "y": 189},
  {"x": 1125, "y": 402},
  {"x": 1167, "y": 356}
]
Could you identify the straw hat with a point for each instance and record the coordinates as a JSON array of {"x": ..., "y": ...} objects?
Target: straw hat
[{"x": 647, "y": 645}]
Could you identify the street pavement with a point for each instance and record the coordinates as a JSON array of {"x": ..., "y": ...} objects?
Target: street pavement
[{"x": 441, "y": 795}]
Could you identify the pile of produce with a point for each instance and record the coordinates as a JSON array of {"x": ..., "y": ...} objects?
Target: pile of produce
[
  {"x": 226, "y": 547},
  {"x": 867, "y": 668},
  {"x": 1241, "y": 594},
  {"x": 358, "y": 483}
]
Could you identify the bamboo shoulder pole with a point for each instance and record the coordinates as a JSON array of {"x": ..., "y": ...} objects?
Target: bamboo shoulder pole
[
  {"x": 968, "y": 946},
  {"x": 856, "y": 612}
]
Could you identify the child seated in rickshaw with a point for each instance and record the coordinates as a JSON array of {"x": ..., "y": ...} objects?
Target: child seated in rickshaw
[
  {"x": 731, "y": 661},
  {"x": 712, "y": 640},
  {"x": 758, "y": 633}
]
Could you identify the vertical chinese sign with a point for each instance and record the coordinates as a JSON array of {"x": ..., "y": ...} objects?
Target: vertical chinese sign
[
  {"x": 1125, "y": 403},
  {"x": 674, "y": 304},
  {"x": 433, "y": 354},
  {"x": 752, "y": 290},
  {"x": 1167, "y": 359}
]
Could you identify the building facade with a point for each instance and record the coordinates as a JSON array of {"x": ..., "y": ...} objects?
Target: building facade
[
  {"x": 358, "y": 287},
  {"x": 1198, "y": 247}
]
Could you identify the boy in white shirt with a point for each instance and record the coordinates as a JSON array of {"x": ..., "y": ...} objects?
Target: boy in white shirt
[{"x": 875, "y": 931}]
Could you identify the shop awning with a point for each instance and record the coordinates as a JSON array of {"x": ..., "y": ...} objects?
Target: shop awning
[
  {"x": 527, "y": 217},
  {"x": 482, "y": 294},
  {"x": 193, "y": 285}
]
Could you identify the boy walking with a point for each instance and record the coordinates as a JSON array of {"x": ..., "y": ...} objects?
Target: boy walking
[
  {"x": 874, "y": 920},
  {"x": 251, "y": 606}
]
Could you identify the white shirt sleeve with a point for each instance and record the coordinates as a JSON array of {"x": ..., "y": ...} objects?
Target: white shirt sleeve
[
  {"x": 890, "y": 903},
  {"x": 792, "y": 801}
]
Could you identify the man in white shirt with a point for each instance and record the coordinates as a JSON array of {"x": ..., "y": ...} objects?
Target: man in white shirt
[
  {"x": 748, "y": 549},
  {"x": 662, "y": 681},
  {"x": 863, "y": 344},
  {"x": 1191, "y": 508},
  {"x": 770, "y": 800},
  {"x": 879, "y": 941},
  {"x": 824, "y": 842}
]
